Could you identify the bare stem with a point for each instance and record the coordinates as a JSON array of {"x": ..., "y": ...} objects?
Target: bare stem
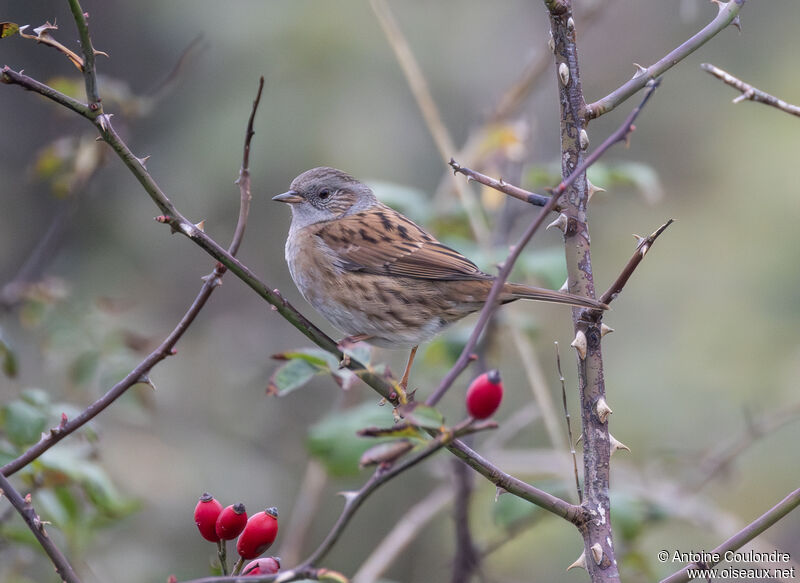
[
  {"x": 466, "y": 559},
  {"x": 430, "y": 112},
  {"x": 11, "y": 77},
  {"x": 89, "y": 74},
  {"x": 404, "y": 531},
  {"x": 384, "y": 386},
  {"x": 140, "y": 372},
  {"x": 486, "y": 313},
  {"x": 723, "y": 456},
  {"x": 569, "y": 426},
  {"x": 25, "y": 509},
  {"x": 354, "y": 500},
  {"x": 749, "y": 92},
  {"x": 728, "y": 12},
  {"x": 502, "y": 186},
  {"x": 643, "y": 245},
  {"x": 744, "y": 536}
]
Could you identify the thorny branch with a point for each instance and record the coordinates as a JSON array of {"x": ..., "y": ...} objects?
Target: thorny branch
[
  {"x": 140, "y": 372},
  {"x": 384, "y": 386},
  {"x": 728, "y": 13},
  {"x": 620, "y": 134},
  {"x": 502, "y": 186},
  {"x": 749, "y": 92},
  {"x": 643, "y": 245},
  {"x": 25, "y": 509},
  {"x": 354, "y": 500}
]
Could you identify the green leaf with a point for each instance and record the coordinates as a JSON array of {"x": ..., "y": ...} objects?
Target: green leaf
[
  {"x": 547, "y": 264},
  {"x": 91, "y": 477},
  {"x": 84, "y": 367},
  {"x": 37, "y": 397},
  {"x": 410, "y": 201},
  {"x": 302, "y": 365},
  {"x": 334, "y": 442},
  {"x": 290, "y": 376},
  {"x": 421, "y": 415},
  {"x": 10, "y": 364},
  {"x": 6, "y": 454},
  {"x": 23, "y": 423},
  {"x": 315, "y": 356},
  {"x": 643, "y": 177},
  {"x": 395, "y": 431},
  {"x": 361, "y": 352}
]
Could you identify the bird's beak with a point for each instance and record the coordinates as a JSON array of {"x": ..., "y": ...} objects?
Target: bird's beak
[{"x": 290, "y": 197}]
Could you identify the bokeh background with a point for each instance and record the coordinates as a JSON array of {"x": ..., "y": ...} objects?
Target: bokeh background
[{"x": 705, "y": 347}]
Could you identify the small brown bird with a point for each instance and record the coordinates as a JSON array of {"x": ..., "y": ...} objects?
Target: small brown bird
[{"x": 376, "y": 275}]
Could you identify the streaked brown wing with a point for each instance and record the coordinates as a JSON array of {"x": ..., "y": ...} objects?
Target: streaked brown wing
[{"x": 381, "y": 241}]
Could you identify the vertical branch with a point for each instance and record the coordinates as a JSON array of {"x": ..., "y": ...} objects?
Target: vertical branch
[
  {"x": 89, "y": 76},
  {"x": 596, "y": 530},
  {"x": 466, "y": 559}
]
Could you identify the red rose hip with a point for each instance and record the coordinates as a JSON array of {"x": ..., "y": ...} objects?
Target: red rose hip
[
  {"x": 231, "y": 521},
  {"x": 205, "y": 517},
  {"x": 484, "y": 395},
  {"x": 259, "y": 533}
]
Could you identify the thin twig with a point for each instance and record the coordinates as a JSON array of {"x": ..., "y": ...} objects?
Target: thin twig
[
  {"x": 517, "y": 487},
  {"x": 11, "y": 77},
  {"x": 244, "y": 176},
  {"x": 140, "y": 372},
  {"x": 502, "y": 186},
  {"x": 89, "y": 73},
  {"x": 728, "y": 12},
  {"x": 539, "y": 386},
  {"x": 466, "y": 559},
  {"x": 165, "y": 85},
  {"x": 25, "y": 509},
  {"x": 404, "y": 531},
  {"x": 509, "y": 103},
  {"x": 643, "y": 245},
  {"x": 533, "y": 71},
  {"x": 744, "y": 536},
  {"x": 380, "y": 477},
  {"x": 511, "y": 532},
  {"x": 181, "y": 224},
  {"x": 382, "y": 385},
  {"x": 618, "y": 135},
  {"x": 309, "y": 493},
  {"x": 749, "y": 92},
  {"x": 42, "y": 253},
  {"x": 569, "y": 426},
  {"x": 430, "y": 112},
  {"x": 722, "y": 456}
]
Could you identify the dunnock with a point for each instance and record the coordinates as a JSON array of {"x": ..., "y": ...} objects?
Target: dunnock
[{"x": 376, "y": 275}]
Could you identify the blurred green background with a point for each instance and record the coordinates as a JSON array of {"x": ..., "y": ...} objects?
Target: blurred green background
[{"x": 705, "y": 338}]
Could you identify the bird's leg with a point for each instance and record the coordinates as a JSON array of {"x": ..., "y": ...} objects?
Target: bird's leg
[
  {"x": 404, "y": 380},
  {"x": 349, "y": 342}
]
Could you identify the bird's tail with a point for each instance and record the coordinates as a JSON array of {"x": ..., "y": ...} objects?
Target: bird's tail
[{"x": 519, "y": 291}]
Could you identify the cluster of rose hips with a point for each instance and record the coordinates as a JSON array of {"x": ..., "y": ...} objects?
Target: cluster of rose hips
[
  {"x": 484, "y": 395},
  {"x": 256, "y": 533}
]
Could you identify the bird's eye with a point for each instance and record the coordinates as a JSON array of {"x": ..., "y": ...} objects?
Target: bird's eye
[{"x": 324, "y": 194}]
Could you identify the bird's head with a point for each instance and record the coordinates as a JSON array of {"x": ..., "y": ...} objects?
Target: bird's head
[{"x": 323, "y": 194}]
